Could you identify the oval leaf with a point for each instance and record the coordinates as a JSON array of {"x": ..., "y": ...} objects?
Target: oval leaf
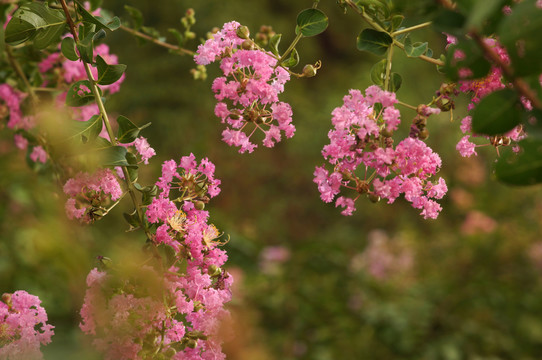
[
  {"x": 311, "y": 22},
  {"x": 497, "y": 113},
  {"x": 68, "y": 49},
  {"x": 378, "y": 72},
  {"x": 373, "y": 41},
  {"x": 128, "y": 131},
  {"x": 108, "y": 74},
  {"x": 79, "y": 94},
  {"x": 524, "y": 168}
]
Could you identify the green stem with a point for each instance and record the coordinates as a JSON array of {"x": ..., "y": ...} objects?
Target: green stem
[
  {"x": 388, "y": 69},
  {"x": 407, "y": 105},
  {"x": 422, "y": 57},
  {"x": 290, "y": 48},
  {"x": 18, "y": 69},
  {"x": 141, "y": 35},
  {"x": 105, "y": 117},
  {"x": 412, "y": 28}
]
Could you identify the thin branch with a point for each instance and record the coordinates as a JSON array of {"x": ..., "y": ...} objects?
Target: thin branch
[
  {"x": 17, "y": 67},
  {"x": 166, "y": 45},
  {"x": 412, "y": 28}
]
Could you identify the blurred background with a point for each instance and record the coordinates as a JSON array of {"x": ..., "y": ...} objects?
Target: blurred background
[{"x": 310, "y": 283}]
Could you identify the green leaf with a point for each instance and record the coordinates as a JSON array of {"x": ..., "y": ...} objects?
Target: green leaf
[
  {"x": 132, "y": 219},
  {"x": 80, "y": 94},
  {"x": 378, "y": 72},
  {"x": 128, "y": 131},
  {"x": 395, "y": 82},
  {"x": 111, "y": 24},
  {"x": 99, "y": 35},
  {"x": 472, "y": 59},
  {"x": 293, "y": 60},
  {"x": 449, "y": 21},
  {"x": 396, "y": 21},
  {"x": 114, "y": 156},
  {"x": 520, "y": 34},
  {"x": 152, "y": 32},
  {"x": 108, "y": 74},
  {"x": 94, "y": 4},
  {"x": 68, "y": 49},
  {"x": 37, "y": 22},
  {"x": 136, "y": 15},
  {"x": 482, "y": 11},
  {"x": 375, "y": 6},
  {"x": 497, "y": 113},
  {"x": 524, "y": 168},
  {"x": 86, "y": 48},
  {"x": 311, "y": 22},
  {"x": 416, "y": 49},
  {"x": 132, "y": 171},
  {"x": 274, "y": 43},
  {"x": 85, "y": 131},
  {"x": 178, "y": 36},
  {"x": 373, "y": 41}
]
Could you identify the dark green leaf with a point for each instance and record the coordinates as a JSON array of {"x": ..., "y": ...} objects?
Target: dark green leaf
[
  {"x": 378, "y": 72},
  {"x": 396, "y": 21},
  {"x": 472, "y": 61},
  {"x": 416, "y": 49},
  {"x": 114, "y": 156},
  {"x": 132, "y": 171},
  {"x": 68, "y": 49},
  {"x": 449, "y": 21},
  {"x": 481, "y": 11},
  {"x": 85, "y": 131},
  {"x": 374, "y": 6},
  {"x": 37, "y": 22},
  {"x": 132, "y": 219},
  {"x": 100, "y": 22},
  {"x": 136, "y": 15},
  {"x": 94, "y": 4},
  {"x": 520, "y": 34},
  {"x": 524, "y": 168},
  {"x": 293, "y": 60},
  {"x": 376, "y": 42},
  {"x": 178, "y": 36},
  {"x": 274, "y": 43},
  {"x": 99, "y": 35},
  {"x": 128, "y": 131},
  {"x": 395, "y": 82},
  {"x": 311, "y": 22},
  {"x": 86, "y": 48},
  {"x": 79, "y": 94},
  {"x": 497, "y": 113},
  {"x": 108, "y": 74}
]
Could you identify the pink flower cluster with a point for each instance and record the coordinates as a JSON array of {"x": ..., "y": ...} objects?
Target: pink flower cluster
[
  {"x": 23, "y": 326},
  {"x": 478, "y": 89},
  {"x": 361, "y": 138},
  {"x": 89, "y": 193},
  {"x": 248, "y": 92},
  {"x": 183, "y": 321}
]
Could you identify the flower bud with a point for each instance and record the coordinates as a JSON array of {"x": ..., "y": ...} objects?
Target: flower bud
[
  {"x": 200, "y": 205},
  {"x": 309, "y": 71},
  {"x": 386, "y": 133},
  {"x": 214, "y": 270},
  {"x": 170, "y": 352},
  {"x": 506, "y": 141},
  {"x": 423, "y": 134},
  {"x": 445, "y": 104},
  {"x": 192, "y": 344},
  {"x": 243, "y": 32},
  {"x": 247, "y": 45},
  {"x": 374, "y": 198},
  {"x": 6, "y": 298}
]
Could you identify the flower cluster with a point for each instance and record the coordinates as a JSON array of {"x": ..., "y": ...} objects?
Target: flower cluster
[
  {"x": 248, "y": 92},
  {"x": 362, "y": 138},
  {"x": 90, "y": 193},
  {"x": 477, "y": 89},
  {"x": 182, "y": 318},
  {"x": 23, "y": 326}
]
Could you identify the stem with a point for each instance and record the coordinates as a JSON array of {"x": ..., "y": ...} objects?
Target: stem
[
  {"x": 519, "y": 84},
  {"x": 407, "y": 105},
  {"x": 17, "y": 67},
  {"x": 141, "y": 35},
  {"x": 412, "y": 28},
  {"x": 103, "y": 112},
  {"x": 290, "y": 48},
  {"x": 388, "y": 69},
  {"x": 422, "y": 57}
]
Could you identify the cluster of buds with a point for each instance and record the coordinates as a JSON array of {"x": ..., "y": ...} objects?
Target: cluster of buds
[{"x": 265, "y": 35}]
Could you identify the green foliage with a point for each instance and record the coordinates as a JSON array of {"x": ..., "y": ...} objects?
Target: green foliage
[
  {"x": 497, "y": 113},
  {"x": 68, "y": 49},
  {"x": 82, "y": 132},
  {"x": 135, "y": 15},
  {"x": 35, "y": 21},
  {"x": 274, "y": 43},
  {"x": 311, "y": 22},
  {"x": 376, "y": 42},
  {"x": 524, "y": 168},
  {"x": 128, "y": 131},
  {"x": 86, "y": 48},
  {"x": 114, "y": 156},
  {"x": 520, "y": 34},
  {"x": 378, "y": 72},
  {"x": 293, "y": 60},
  {"x": 80, "y": 94},
  {"x": 472, "y": 59},
  {"x": 415, "y": 49},
  {"x": 101, "y": 22},
  {"x": 108, "y": 74}
]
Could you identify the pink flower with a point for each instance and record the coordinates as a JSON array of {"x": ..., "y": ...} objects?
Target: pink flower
[
  {"x": 23, "y": 325},
  {"x": 144, "y": 149},
  {"x": 38, "y": 154},
  {"x": 465, "y": 147}
]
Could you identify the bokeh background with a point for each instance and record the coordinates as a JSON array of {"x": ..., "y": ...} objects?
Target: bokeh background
[{"x": 310, "y": 283}]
